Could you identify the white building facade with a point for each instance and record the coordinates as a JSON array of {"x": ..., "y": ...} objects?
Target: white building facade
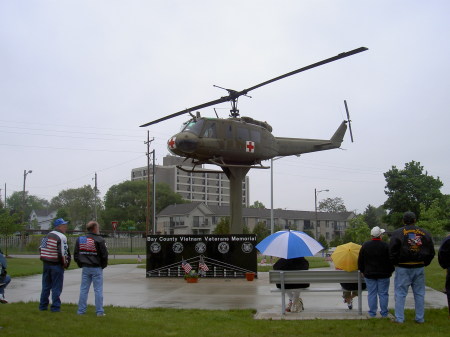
[{"x": 209, "y": 186}]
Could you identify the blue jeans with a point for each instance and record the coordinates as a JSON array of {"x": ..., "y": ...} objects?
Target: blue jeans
[
  {"x": 6, "y": 281},
  {"x": 405, "y": 277},
  {"x": 52, "y": 279},
  {"x": 378, "y": 289},
  {"x": 91, "y": 275}
]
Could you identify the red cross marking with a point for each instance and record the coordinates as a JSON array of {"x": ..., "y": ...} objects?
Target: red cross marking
[
  {"x": 250, "y": 146},
  {"x": 171, "y": 143}
]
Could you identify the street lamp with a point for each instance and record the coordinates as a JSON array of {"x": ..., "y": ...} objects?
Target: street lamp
[
  {"x": 25, "y": 173},
  {"x": 316, "y": 192}
]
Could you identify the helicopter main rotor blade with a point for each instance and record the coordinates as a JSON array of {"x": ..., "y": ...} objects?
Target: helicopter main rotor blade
[
  {"x": 182, "y": 112},
  {"x": 234, "y": 95},
  {"x": 314, "y": 65},
  {"x": 349, "y": 121}
]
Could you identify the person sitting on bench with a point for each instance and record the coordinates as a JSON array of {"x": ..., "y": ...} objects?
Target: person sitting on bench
[{"x": 292, "y": 290}]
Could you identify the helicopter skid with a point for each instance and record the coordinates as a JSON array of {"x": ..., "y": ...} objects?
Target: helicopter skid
[{"x": 222, "y": 164}]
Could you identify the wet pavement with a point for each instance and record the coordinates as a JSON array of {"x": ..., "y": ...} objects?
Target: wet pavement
[{"x": 127, "y": 286}]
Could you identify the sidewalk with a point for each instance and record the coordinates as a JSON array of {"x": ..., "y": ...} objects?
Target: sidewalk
[{"x": 127, "y": 286}]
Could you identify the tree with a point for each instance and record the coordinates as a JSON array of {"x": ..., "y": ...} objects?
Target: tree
[
  {"x": 77, "y": 203},
  {"x": 127, "y": 201},
  {"x": 371, "y": 216},
  {"x": 165, "y": 197},
  {"x": 337, "y": 241},
  {"x": 310, "y": 233},
  {"x": 332, "y": 205},
  {"x": 9, "y": 224},
  {"x": 436, "y": 218},
  {"x": 261, "y": 231},
  {"x": 323, "y": 242},
  {"x": 258, "y": 204},
  {"x": 358, "y": 231},
  {"x": 223, "y": 226},
  {"x": 32, "y": 202},
  {"x": 407, "y": 189}
]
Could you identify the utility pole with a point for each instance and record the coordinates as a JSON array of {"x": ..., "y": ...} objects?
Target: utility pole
[
  {"x": 95, "y": 197},
  {"x": 154, "y": 192},
  {"x": 25, "y": 173},
  {"x": 316, "y": 192},
  {"x": 147, "y": 218}
]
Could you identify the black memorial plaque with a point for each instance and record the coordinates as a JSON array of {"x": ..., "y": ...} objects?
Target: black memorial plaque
[{"x": 229, "y": 256}]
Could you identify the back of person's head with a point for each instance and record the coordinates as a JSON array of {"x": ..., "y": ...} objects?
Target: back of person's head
[
  {"x": 409, "y": 218},
  {"x": 91, "y": 226}
]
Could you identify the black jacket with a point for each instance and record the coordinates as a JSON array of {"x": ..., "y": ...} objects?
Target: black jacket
[
  {"x": 444, "y": 253},
  {"x": 91, "y": 251},
  {"x": 411, "y": 247},
  {"x": 373, "y": 260},
  {"x": 298, "y": 263}
]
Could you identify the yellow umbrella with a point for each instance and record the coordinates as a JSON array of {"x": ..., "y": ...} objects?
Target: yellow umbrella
[{"x": 345, "y": 256}]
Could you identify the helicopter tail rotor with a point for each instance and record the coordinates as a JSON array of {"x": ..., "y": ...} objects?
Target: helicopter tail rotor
[{"x": 349, "y": 121}]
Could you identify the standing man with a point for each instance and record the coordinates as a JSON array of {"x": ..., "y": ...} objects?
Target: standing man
[
  {"x": 444, "y": 261},
  {"x": 4, "y": 277},
  {"x": 91, "y": 254},
  {"x": 374, "y": 263},
  {"x": 56, "y": 257},
  {"x": 411, "y": 249}
]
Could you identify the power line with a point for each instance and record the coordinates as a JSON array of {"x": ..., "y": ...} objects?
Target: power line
[{"x": 67, "y": 148}]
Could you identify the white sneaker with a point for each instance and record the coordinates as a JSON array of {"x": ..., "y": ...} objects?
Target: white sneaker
[
  {"x": 3, "y": 299},
  {"x": 297, "y": 305}
]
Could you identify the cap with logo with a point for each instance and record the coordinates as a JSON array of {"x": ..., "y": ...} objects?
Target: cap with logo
[{"x": 59, "y": 222}]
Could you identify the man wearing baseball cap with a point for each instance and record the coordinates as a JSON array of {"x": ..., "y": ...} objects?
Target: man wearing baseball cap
[
  {"x": 56, "y": 257},
  {"x": 374, "y": 263},
  {"x": 411, "y": 249}
]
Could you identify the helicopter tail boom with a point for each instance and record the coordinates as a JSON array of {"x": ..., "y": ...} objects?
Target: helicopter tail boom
[{"x": 296, "y": 146}]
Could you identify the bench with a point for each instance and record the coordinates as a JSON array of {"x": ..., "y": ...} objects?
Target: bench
[{"x": 284, "y": 277}]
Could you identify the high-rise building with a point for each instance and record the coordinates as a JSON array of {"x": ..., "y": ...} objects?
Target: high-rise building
[{"x": 208, "y": 186}]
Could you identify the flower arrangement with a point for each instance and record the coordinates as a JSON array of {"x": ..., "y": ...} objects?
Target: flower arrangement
[{"x": 191, "y": 274}]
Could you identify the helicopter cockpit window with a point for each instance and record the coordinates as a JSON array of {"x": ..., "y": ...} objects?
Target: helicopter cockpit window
[
  {"x": 210, "y": 131},
  {"x": 242, "y": 133},
  {"x": 194, "y": 126},
  {"x": 255, "y": 136},
  {"x": 229, "y": 132}
]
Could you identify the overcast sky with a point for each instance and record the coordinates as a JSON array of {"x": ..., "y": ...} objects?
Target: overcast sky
[{"x": 77, "y": 78}]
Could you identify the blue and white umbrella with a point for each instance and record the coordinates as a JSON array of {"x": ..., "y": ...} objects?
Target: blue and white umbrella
[{"x": 289, "y": 244}]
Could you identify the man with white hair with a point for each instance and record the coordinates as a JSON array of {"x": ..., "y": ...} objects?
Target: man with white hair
[{"x": 374, "y": 263}]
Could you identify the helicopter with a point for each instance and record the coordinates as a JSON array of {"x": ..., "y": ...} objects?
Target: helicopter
[{"x": 237, "y": 144}]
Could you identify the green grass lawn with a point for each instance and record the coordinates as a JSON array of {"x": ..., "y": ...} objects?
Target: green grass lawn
[
  {"x": 435, "y": 275},
  {"x": 24, "y": 319}
]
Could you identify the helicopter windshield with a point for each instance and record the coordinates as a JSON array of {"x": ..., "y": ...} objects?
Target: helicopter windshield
[{"x": 194, "y": 126}]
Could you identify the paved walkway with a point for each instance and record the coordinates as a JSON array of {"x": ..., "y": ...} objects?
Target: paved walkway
[{"x": 127, "y": 286}]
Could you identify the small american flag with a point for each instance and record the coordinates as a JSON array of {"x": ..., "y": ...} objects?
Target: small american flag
[
  {"x": 87, "y": 244},
  {"x": 202, "y": 265},
  {"x": 49, "y": 248},
  {"x": 186, "y": 266}
]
